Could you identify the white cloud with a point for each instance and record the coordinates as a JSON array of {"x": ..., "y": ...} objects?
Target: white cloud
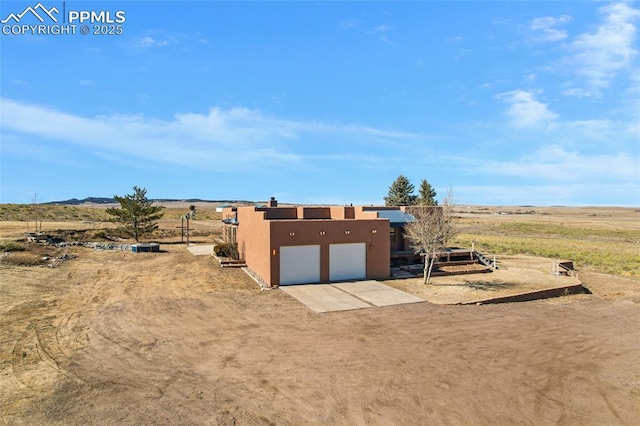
[
  {"x": 581, "y": 92},
  {"x": 225, "y": 139},
  {"x": 524, "y": 110},
  {"x": 554, "y": 162},
  {"x": 382, "y": 33},
  {"x": 148, "y": 41},
  {"x": 201, "y": 38},
  {"x": 541, "y": 194},
  {"x": 632, "y": 93},
  {"x": 600, "y": 55},
  {"x": 381, "y": 28},
  {"x": 567, "y": 155},
  {"x": 566, "y": 164},
  {"x": 600, "y": 130},
  {"x": 544, "y": 29},
  {"x": 19, "y": 82},
  {"x": 349, "y": 23}
]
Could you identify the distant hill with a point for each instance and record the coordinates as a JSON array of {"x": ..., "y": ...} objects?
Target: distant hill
[
  {"x": 199, "y": 200},
  {"x": 104, "y": 200},
  {"x": 76, "y": 202}
]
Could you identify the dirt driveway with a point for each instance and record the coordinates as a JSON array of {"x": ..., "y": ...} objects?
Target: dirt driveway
[{"x": 171, "y": 338}]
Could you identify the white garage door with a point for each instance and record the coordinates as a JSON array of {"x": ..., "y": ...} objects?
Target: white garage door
[
  {"x": 347, "y": 261},
  {"x": 299, "y": 264}
]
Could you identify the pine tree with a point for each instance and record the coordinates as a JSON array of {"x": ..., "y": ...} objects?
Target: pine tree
[
  {"x": 427, "y": 195},
  {"x": 136, "y": 214},
  {"x": 400, "y": 193}
]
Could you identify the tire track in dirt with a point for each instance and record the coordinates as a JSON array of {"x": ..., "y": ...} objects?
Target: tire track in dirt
[
  {"x": 172, "y": 339},
  {"x": 47, "y": 344},
  {"x": 71, "y": 334},
  {"x": 37, "y": 359},
  {"x": 41, "y": 355},
  {"x": 131, "y": 346}
]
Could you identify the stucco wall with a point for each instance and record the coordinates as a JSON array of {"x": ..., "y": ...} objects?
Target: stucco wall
[
  {"x": 326, "y": 232},
  {"x": 261, "y": 232},
  {"x": 228, "y": 212},
  {"x": 342, "y": 212},
  {"x": 253, "y": 240}
]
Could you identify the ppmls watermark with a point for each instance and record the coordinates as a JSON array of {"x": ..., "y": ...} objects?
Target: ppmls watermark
[{"x": 60, "y": 20}]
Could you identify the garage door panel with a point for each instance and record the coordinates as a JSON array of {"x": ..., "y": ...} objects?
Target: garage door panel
[
  {"x": 299, "y": 264},
  {"x": 347, "y": 261}
]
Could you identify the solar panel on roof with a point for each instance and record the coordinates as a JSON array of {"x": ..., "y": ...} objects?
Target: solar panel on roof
[{"x": 395, "y": 216}]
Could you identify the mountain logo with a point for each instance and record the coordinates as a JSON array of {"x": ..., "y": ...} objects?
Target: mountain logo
[{"x": 38, "y": 11}]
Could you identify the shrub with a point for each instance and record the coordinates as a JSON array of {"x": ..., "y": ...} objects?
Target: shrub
[
  {"x": 226, "y": 250},
  {"x": 10, "y": 246},
  {"x": 23, "y": 259},
  {"x": 101, "y": 234}
]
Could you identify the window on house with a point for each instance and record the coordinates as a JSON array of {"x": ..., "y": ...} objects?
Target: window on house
[{"x": 392, "y": 236}]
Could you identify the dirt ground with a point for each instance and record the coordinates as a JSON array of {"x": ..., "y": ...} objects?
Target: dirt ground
[
  {"x": 171, "y": 338},
  {"x": 515, "y": 274},
  {"x": 113, "y": 337}
]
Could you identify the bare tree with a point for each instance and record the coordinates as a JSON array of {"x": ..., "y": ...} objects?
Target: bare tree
[{"x": 431, "y": 231}]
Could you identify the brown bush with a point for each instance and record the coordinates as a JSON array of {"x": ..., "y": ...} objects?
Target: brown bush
[
  {"x": 226, "y": 250},
  {"x": 23, "y": 259}
]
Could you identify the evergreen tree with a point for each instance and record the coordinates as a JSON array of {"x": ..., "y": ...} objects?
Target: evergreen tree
[
  {"x": 136, "y": 214},
  {"x": 400, "y": 193},
  {"x": 427, "y": 195}
]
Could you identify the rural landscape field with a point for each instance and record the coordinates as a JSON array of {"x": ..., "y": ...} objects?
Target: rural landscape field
[{"x": 115, "y": 337}]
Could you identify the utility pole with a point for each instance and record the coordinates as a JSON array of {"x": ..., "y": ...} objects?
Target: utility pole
[
  {"x": 36, "y": 211},
  {"x": 187, "y": 216}
]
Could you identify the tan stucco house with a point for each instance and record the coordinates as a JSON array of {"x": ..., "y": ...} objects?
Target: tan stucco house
[{"x": 299, "y": 245}]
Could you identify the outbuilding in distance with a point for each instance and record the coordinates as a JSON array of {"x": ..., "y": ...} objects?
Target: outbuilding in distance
[{"x": 221, "y": 207}]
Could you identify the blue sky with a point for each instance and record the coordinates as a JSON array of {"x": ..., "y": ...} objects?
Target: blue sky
[{"x": 505, "y": 102}]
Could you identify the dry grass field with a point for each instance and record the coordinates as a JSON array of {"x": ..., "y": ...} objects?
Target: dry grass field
[
  {"x": 113, "y": 337},
  {"x": 597, "y": 239}
]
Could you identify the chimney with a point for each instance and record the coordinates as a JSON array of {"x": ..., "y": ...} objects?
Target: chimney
[{"x": 273, "y": 202}]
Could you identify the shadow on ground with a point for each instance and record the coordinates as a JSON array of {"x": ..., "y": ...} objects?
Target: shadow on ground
[{"x": 483, "y": 285}]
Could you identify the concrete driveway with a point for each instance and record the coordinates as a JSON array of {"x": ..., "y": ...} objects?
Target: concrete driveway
[
  {"x": 348, "y": 295},
  {"x": 201, "y": 250},
  {"x": 377, "y": 294}
]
